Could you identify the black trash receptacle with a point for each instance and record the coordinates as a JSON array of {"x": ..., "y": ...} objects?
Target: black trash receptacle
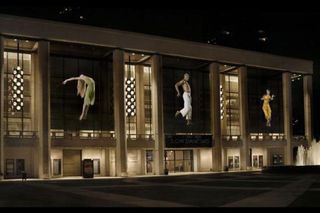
[
  {"x": 166, "y": 171},
  {"x": 24, "y": 175}
]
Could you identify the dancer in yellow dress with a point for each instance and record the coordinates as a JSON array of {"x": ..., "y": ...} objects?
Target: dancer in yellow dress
[
  {"x": 86, "y": 89},
  {"x": 266, "y": 107}
]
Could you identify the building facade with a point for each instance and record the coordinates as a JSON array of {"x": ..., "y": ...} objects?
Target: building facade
[{"x": 133, "y": 127}]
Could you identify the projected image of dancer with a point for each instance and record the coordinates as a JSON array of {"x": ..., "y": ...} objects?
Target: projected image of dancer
[
  {"x": 86, "y": 89},
  {"x": 266, "y": 107},
  {"x": 187, "y": 109}
]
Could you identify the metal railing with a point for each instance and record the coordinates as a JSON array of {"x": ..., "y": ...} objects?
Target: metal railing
[
  {"x": 268, "y": 137},
  {"x": 140, "y": 136},
  {"x": 20, "y": 134},
  {"x": 231, "y": 137},
  {"x": 300, "y": 137},
  {"x": 81, "y": 135}
]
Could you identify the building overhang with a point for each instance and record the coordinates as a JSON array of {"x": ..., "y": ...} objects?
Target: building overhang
[{"x": 65, "y": 32}]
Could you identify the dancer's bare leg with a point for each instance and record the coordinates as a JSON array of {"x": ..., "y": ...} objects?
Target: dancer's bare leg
[
  {"x": 84, "y": 112},
  {"x": 177, "y": 113},
  {"x": 189, "y": 122}
]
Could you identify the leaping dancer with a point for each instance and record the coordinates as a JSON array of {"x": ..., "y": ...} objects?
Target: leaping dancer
[
  {"x": 86, "y": 89},
  {"x": 187, "y": 110}
]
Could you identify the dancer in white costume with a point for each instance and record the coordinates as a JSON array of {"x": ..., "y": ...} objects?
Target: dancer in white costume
[
  {"x": 86, "y": 89},
  {"x": 187, "y": 109}
]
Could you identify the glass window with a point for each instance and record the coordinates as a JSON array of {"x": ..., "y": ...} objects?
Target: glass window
[
  {"x": 17, "y": 120},
  {"x": 9, "y": 167},
  {"x": 96, "y": 166},
  {"x": 20, "y": 166},
  {"x": 259, "y": 81},
  {"x": 66, "y": 105},
  {"x": 230, "y": 105},
  {"x": 179, "y": 161},
  {"x": 149, "y": 161},
  {"x": 230, "y": 162},
  {"x": 57, "y": 167},
  {"x": 174, "y": 70}
]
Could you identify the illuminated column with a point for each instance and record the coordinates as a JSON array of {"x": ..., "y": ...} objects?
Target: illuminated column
[
  {"x": 1, "y": 106},
  {"x": 142, "y": 161},
  {"x": 140, "y": 100},
  {"x": 42, "y": 79},
  {"x": 287, "y": 108},
  {"x": 215, "y": 116},
  {"x": 307, "y": 87},
  {"x": 119, "y": 113},
  {"x": 157, "y": 114},
  {"x": 244, "y": 115}
]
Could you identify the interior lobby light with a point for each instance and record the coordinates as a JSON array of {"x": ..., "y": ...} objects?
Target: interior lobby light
[
  {"x": 130, "y": 95},
  {"x": 17, "y": 89}
]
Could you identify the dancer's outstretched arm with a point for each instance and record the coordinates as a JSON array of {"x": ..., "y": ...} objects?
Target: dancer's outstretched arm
[{"x": 71, "y": 79}]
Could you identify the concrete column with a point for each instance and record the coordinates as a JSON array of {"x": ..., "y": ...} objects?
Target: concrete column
[
  {"x": 140, "y": 100},
  {"x": 244, "y": 117},
  {"x": 224, "y": 157},
  {"x": 308, "y": 95},
  {"x": 287, "y": 108},
  {"x": 196, "y": 160},
  {"x": 215, "y": 116},
  {"x": 1, "y": 106},
  {"x": 157, "y": 113},
  {"x": 119, "y": 113},
  {"x": 42, "y": 98},
  {"x": 143, "y": 162}
]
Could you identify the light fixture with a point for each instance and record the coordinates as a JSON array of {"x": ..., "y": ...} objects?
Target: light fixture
[
  {"x": 17, "y": 86},
  {"x": 221, "y": 103},
  {"x": 130, "y": 95}
]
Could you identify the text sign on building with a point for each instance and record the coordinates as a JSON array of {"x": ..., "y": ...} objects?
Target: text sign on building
[{"x": 188, "y": 141}]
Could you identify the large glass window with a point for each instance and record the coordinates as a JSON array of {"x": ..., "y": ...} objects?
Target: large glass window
[
  {"x": 196, "y": 104},
  {"x": 179, "y": 160},
  {"x": 230, "y": 105},
  {"x": 138, "y": 95},
  {"x": 259, "y": 81},
  {"x": 66, "y": 106},
  {"x": 298, "y": 127},
  {"x": 17, "y": 121}
]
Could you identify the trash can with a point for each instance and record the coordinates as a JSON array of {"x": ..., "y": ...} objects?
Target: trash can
[
  {"x": 87, "y": 167},
  {"x": 166, "y": 171},
  {"x": 24, "y": 175}
]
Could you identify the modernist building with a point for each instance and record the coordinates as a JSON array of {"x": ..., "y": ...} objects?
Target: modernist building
[{"x": 132, "y": 129}]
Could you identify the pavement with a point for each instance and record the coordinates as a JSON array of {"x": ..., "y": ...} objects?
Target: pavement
[{"x": 230, "y": 189}]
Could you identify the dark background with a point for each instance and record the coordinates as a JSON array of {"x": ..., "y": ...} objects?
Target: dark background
[{"x": 287, "y": 33}]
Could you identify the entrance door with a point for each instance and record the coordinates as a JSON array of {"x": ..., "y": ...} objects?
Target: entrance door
[
  {"x": 71, "y": 162},
  {"x": 149, "y": 161},
  {"x": 179, "y": 161}
]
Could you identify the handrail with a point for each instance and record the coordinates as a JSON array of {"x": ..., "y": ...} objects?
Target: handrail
[
  {"x": 231, "y": 137},
  {"x": 140, "y": 136},
  {"x": 270, "y": 137},
  {"x": 20, "y": 134},
  {"x": 81, "y": 135}
]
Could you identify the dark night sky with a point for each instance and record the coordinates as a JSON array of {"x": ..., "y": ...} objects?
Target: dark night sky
[{"x": 293, "y": 34}]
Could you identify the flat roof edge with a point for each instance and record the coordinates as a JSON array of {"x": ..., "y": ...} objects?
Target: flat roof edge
[{"x": 29, "y": 27}]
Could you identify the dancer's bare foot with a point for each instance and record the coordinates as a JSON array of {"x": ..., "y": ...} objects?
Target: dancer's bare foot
[
  {"x": 177, "y": 113},
  {"x": 189, "y": 122},
  {"x": 81, "y": 117},
  {"x": 268, "y": 124}
]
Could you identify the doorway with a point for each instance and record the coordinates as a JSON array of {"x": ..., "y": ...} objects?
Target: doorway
[
  {"x": 179, "y": 161},
  {"x": 72, "y": 163}
]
